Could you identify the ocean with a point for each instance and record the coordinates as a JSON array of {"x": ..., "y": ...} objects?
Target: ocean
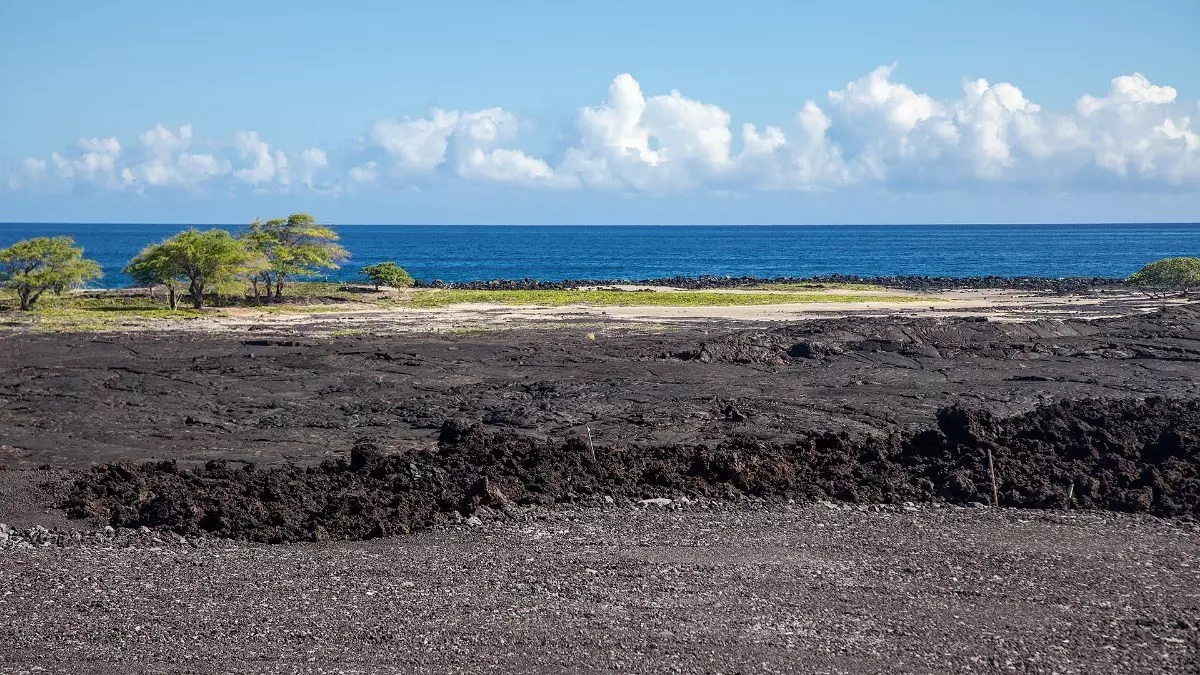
[{"x": 552, "y": 253}]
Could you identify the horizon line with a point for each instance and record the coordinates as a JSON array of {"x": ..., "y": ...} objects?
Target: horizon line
[{"x": 350, "y": 224}]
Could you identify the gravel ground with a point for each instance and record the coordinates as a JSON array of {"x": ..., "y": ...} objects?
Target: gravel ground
[{"x": 815, "y": 589}]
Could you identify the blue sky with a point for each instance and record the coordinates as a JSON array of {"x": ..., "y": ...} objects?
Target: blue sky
[{"x": 547, "y": 112}]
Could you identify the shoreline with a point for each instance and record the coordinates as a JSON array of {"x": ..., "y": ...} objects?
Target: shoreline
[
  {"x": 706, "y": 281},
  {"x": 715, "y": 282}
]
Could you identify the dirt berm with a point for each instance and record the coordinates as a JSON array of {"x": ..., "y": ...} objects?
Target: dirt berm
[{"x": 1124, "y": 455}]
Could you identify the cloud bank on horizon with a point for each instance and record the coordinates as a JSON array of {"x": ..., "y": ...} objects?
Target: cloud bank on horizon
[{"x": 874, "y": 132}]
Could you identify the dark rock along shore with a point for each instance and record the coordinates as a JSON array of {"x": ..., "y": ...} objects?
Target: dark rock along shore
[{"x": 911, "y": 283}]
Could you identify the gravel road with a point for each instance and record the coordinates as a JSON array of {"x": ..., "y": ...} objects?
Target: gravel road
[{"x": 810, "y": 589}]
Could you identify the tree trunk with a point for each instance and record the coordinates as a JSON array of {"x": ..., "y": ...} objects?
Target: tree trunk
[
  {"x": 278, "y": 286},
  {"x": 197, "y": 292},
  {"x": 26, "y": 303},
  {"x": 171, "y": 299},
  {"x": 254, "y": 285}
]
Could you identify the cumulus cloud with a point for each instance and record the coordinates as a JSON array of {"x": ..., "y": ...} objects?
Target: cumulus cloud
[
  {"x": 366, "y": 173},
  {"x": 311, "y": 161},
  {"x": 264, "y": 165},
  {"x": 416, "y": 144},
  {"x": 464, "y": 143},
  {"x": 875, "y": 131},
  {"x": 34, "y": 167},
  {"x": 514, "y": 167},
  {"x": 167, "y": 161},
  {"x": 95, "y": 160}
]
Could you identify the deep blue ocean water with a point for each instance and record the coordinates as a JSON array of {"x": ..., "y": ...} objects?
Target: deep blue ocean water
[{"x": 469, "y": 252}]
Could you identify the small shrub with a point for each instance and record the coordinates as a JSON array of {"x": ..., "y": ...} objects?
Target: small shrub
[
  {"x": 1169, "y": 274},
  {"x": 387, "y": 274}
]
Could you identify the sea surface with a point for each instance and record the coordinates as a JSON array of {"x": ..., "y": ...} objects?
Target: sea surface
[{"x": 552, "y": 253}]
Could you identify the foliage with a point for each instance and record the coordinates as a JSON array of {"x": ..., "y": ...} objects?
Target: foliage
[
  {"x": 295, "y": 246},
  {"x": 158, "y": 264},
  {"x": 1177, "y": 274},
  {"x": 34, "y": 266},
  {"x": 208, "y": 260},
  {"x": 387, "y": 274}
]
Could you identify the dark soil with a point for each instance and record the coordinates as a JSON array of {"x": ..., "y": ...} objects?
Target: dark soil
[{"x": 1112, "y": 454}]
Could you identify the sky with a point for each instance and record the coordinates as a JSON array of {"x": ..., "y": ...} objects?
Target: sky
[{"x": 618, "y": 112}]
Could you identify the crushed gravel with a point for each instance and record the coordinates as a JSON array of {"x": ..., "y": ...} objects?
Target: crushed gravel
[{"x": 819, "y": 589}]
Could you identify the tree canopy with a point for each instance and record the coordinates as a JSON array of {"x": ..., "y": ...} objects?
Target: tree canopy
[
  {"x": 1176, "y": 274},
  {"x": 159, "y": 264},
  {"x": 293, "y": 247},
  {"x": 34, "y": 266},
  {"x": 206, "y": 259},
  {"x": 387, "y": 274}
]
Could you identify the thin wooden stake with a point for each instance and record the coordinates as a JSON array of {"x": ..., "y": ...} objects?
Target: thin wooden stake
[
  {"x": 590, "y": 446},
  {"x": 1070, "y": 496},
  {"x": 992, "y": 471}
]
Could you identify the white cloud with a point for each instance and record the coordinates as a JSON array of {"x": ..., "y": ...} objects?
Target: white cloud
[
  {"x": 311, "y": 161},
  {"x": 993, "y": 133},
  {"x": 662, "y": 142},
  {"x": 424, "y": 144},
  {"x": 514, "y": 167},
  {"x": 815, "y": 162},
  {"x": 417, "y": 145},
  {"x": 464, "y": 142},
  {"x": 34, "y": 167},
  {"x": 365, "y": 173},
  {"x": 875, "y": 131},
  {"x": 1126, "y": 90},
  {"x": 167, "y": 161},
  {"x": 876, "y": 99},
  {"x": 264, "y": 165},
  {"x": 95, "y": 161}
]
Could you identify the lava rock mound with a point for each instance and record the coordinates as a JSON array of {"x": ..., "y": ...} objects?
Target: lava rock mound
[{"x": 1126, "y": 455}]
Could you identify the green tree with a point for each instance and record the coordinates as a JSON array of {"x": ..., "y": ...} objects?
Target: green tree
[
  {"x": 34, "y": 266},
  {"x": 387, "y": 274},
  {"x": 207, "y": 260},
  {"x": 1169, "y": 274},
  {"x": 295, "y": 246},
  {"x": 159, "y": 264}
]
